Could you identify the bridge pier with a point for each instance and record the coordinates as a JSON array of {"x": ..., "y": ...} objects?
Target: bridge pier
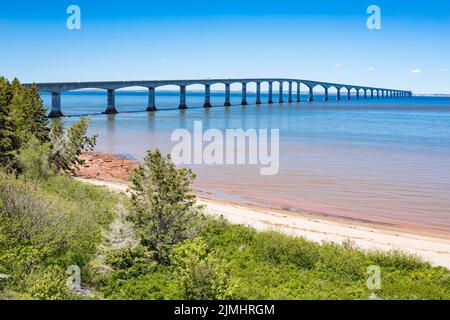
[
  {"x": 311, "y": 94},
  {"x": 111, "y": 105},
  {"x": 298, "y": 91},
  {"x": 349, "y": 94},
  {"x": 280, "y": 93},
  {"x": 207, "y": 103},
  {"x": 56, "y": 106},
  {"x": 270, "y": 101},
  {"x": 182, "y": 105},
  {"x": 365, "y": 94},
  {"x": 244, "y": 94},
  {"x": 227, "y": 95},
  {"x": 325, "y": 98},
  {"x": 290, "y": 92},
  {"x": 357, "y": 94},
  {"x": 371, "y": 94},
  {"x": 258, "y": 93},
  {"x": 338, "y": 94},
  {"x": 151, "y": 100}
]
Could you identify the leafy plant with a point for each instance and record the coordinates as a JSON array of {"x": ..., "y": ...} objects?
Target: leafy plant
[{"x": 162, "y": 206}]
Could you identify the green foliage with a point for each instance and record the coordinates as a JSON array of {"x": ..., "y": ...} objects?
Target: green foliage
[
  {"x": 53, "y": 224},
  {"x": 232, "y": 261},
  {"x": 200, "y": 274},
  {"x": 9, "y": 138},
  {"x": 49, "y": 284},
  {"x": 33, "y": 159},
  {"x": 278, "y": 249},
  {"x": 68, "y": 145},
  {"x": 28, "y": 112},
  {"x": 162, "y": 206}
]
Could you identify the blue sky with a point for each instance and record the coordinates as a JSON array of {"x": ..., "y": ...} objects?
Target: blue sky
[{"x": 319, "y": 40}]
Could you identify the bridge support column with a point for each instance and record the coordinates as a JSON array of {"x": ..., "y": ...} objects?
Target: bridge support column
[
  {"x": 378, "y": 94},
  {"x": 258, "y": 93},
  {"x": 227, "y": 95},
  {"x": 311, "y": 94},
  {"x": 325, "y": 97},
  {"x": 349, "y": 94},
  {"x": 270, "y": 101},
  {"x": 244, "y": 95},
  {"x": 151, "y": 100},
  {"x": 56, "y": 106},
  {"x": 357, "y": 94},
  {"x": 207, "y": 103},
  {"x": 290, "y": 92},
  {"x": 338, "y": 94},
  {"x": 365, "y": 94},
  {"x": 182, "y": 105},
  {"x": 111, "y": 106},
  {"x": 280, "y": 93},
  {"x": 371, "y": 94},
  {"x": 298, "y": 91}
]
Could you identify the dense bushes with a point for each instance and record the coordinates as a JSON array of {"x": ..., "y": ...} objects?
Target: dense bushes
[
  {"x": 47, "y": 227},
  {"x": 231, "y": 261}
]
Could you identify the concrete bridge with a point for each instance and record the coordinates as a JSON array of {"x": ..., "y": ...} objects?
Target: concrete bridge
[{"x": 361, "y": 92}]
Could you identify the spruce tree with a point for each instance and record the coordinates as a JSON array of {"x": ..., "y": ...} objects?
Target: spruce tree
[
  {"x": 9, "y": 141},
  {"x": 29, "y": 112},
  {"x": 162, "y": 208}
]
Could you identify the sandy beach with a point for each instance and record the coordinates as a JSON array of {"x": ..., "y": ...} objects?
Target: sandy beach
[{"x": 366, "y": 236}]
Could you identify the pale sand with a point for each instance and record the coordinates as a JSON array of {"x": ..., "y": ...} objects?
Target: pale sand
[{"x": 368, "y": 237}]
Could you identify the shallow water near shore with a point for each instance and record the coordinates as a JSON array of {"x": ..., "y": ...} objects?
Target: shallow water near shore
[{"x": 385, "y": 161}]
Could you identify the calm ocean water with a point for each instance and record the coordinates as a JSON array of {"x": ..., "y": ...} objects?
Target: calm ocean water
[{"x": 385, "y": 161}]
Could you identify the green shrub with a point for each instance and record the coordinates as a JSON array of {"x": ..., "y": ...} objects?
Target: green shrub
[
  {"x": 397, "y": 260},
  {"x": 201, "y": 275},
  {"x": 56, "y": 223},
  {"x": 49, "y": 284},
  {"x": 277, "y": 248},
  {"x": 33, "y": 159},
  {"x": 162, "y": 206}
]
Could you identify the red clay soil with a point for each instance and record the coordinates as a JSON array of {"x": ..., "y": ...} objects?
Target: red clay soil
[{"x": 103, "y": 166}]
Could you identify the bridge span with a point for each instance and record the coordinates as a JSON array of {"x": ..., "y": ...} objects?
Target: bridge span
[{"x": 361, "y": 91}]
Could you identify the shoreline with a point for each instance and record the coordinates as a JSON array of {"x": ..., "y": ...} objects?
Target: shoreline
[{"x": 106, "y": 170}]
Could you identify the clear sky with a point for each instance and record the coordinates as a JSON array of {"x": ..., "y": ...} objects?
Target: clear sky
[{"x": 145, "y": 39}]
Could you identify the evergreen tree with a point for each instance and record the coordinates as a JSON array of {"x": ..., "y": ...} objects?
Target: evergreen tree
[
  {"x": 29, "y": 112},
  {"x": 9, "y": 141},
  {"x": 163, "y": 207}
]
